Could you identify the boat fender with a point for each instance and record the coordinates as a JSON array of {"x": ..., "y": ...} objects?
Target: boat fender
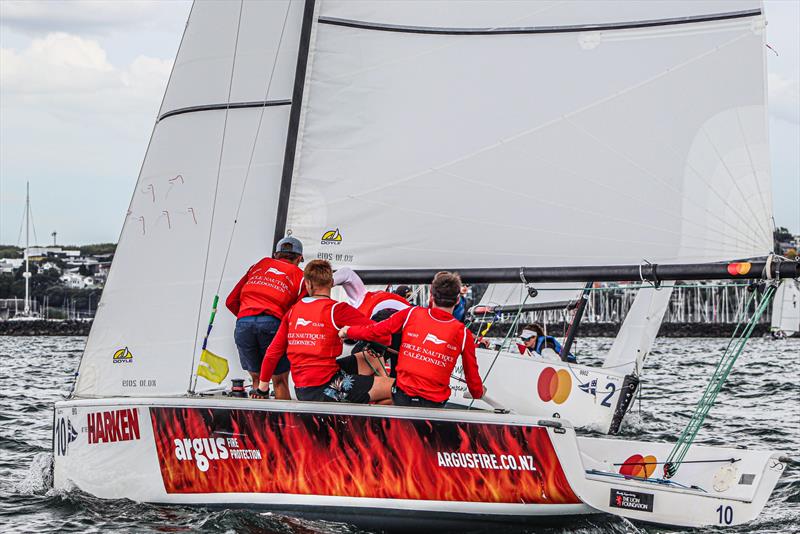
[{"x": 629, "y": 386}]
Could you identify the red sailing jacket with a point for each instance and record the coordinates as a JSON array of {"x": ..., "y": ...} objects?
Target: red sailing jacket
[
  {"x": 373, "y": 298},
  {"x": 432, "y": 341},
  {"x": 309, "y": 336},
  {"x": 270, "y": 286}
]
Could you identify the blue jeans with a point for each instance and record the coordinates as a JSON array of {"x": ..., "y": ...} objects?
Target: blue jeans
[{"x": 253, "y": 335}]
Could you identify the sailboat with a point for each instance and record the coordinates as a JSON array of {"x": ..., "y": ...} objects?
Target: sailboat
[
  {"x": 369, "y": 120},
  {"x": 786, "y": 310},
  {"x": 27, "y": 312}
]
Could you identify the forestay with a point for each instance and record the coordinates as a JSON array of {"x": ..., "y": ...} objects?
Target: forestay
[
  {"x": 202, "y": 162},
  {"x": 487, "y": 134}
]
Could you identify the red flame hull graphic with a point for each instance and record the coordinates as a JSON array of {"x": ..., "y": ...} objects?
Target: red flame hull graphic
[{"x": 223, "y": 451}]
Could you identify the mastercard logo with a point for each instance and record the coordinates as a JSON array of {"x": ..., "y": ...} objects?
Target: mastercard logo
[
  {"x": 638, "y": 466},
  {"x": 739, "y": 268},
  {"x": 554, "y": 385}
]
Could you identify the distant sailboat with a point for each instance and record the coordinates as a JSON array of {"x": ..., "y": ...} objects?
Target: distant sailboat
[
  {"x": 401, "y": 138},
  {"x": 27, "y": 312}
]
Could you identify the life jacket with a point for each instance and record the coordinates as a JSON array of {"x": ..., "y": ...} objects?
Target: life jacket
[
  {"x": 271, "y": 288},
  {"x": 374, "y": 301},
  {"x": 313, "y": 342},
  {"x": 428, "y": 353},
  {"x": 541, "y": 340}
]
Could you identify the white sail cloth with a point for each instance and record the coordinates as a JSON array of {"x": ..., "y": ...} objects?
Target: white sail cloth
[
  {"x": 170, "y": 256},
  {"x": 786, "y": 308},
  {"x": 563, "y": 148}
]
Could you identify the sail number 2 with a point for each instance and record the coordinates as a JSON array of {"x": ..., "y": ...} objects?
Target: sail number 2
[
  {"x": 611, "y": 388},
  {"x": 725, "y": 514}
]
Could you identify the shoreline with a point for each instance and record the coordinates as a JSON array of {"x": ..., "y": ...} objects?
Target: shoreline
[{"x": 672, "y": 330}]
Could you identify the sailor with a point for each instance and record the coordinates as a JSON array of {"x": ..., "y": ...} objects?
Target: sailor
[
  {"x": 260, "y": 300},
  {"x": 431, "y": 342},
  {"x": 309, "y": 336},
  {"x": 534, "y": 340},
  {"x": 369, "y": 302}
]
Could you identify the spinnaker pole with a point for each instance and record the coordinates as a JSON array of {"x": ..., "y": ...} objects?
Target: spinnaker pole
[{"x": 771, "y": 268}]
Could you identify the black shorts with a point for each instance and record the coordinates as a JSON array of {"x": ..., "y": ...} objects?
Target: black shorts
[
  {"x": 343, "y": 387},
  {"x": 401, "y": 398}
]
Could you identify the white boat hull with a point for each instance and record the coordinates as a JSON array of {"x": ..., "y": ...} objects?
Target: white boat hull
[
  {"x": 366, "y": 459},
  {"x": 585, "y": 396}
]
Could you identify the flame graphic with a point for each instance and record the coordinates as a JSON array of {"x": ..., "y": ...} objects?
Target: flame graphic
[{"x": 357, "y": 456}]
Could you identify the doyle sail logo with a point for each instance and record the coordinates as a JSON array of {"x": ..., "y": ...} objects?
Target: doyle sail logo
[
  {"x": 331, "y": 237},
  {"x": 433, "y": 339},
  {"x": 554, "y": 385},
  {"x": 303, "y": 322},
  {"x": 123, "y": 355},
  {"x": 112, "y": 426},
  {"x": 273, "y": 270}
]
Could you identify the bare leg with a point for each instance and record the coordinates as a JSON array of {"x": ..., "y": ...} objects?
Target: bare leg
[
  {"x": 369, "y": 364},
  {"x": 281, "y": 385},
  {"x": 381, "y": 389},
  {"x": 254, "y": 376}
]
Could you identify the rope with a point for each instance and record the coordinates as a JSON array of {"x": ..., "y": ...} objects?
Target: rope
[{"x": 732, "y": 351}]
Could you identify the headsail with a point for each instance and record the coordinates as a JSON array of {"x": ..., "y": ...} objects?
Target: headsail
[
  {"x": 503, "y": 134},
  {"x": 786, "y": 308},
  {"x": 222, "y": 123}
]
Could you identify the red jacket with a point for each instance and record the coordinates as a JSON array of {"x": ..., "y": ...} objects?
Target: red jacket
[
  {"x": 373, "y": 299},
  {"x": 269, "y": 287},
  {"x": 432, "y": 341},
  {"x": 309, "y": 336}
]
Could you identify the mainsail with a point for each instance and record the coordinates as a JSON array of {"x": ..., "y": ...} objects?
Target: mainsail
[{"x": 432, "y": 134}]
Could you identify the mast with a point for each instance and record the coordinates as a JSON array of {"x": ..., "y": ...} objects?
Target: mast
[
  {"x": 294, "y": 121},
  {"x": 27, "y": 274}
]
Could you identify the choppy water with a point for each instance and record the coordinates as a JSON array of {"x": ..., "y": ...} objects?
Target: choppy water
[{"x": 759, "y": 407}]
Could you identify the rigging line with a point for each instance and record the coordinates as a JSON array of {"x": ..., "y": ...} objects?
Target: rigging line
[
  {"x": 249, "y": 166},
  {"x": 657, "y": 180},
  {"x": 598, "y": 214},
  {"x": 750, "y": 159},
  {"x": 33, "y": 225},
  {"x": 253, "y": 147},
  {"x": 214, "y": 201},
  {"x": 734, "y": 180},
  {"x": 556, "y": 120}
]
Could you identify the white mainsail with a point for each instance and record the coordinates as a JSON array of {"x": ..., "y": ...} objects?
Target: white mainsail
[
  {"x": 489, "y": 134},
  {"x": 180, "y": 223}
]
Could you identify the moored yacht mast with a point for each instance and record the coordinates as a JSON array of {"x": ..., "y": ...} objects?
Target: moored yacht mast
[{"x": 27, "y": 274}]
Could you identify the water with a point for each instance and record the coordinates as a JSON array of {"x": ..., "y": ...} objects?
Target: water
[{"x": 759, "y": 407}]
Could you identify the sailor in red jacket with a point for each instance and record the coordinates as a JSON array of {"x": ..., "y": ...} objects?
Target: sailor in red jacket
[
  {"x": 309, "y": 336},
  {"x": 260, "y": 300},
  {"x": 432, "y": 341}
]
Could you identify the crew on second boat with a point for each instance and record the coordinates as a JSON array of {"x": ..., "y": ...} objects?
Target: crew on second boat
[
  {"x": 535, "y": 341},
  {"x": 308, "y": 335},
  {"x": 432, "y": 341}
]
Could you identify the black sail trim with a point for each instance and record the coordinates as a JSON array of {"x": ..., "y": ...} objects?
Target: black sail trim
[
  {"x": 294, "y": 121},
  {"x": 364, "y": 25},
  {"x": 232, "y": 105}
]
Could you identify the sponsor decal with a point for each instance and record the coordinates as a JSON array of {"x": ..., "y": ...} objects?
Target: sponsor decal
[
  {"x": 65, "y": 434},
  {"x": 205, "y": 450},
  {"x": 112, "y": 426},
  {"x": 554, "y": 385},
  {"x": 331, "y": 237},
  {"x": 123, "y": 355},
  {"x": 589, "y": 387},
  {"x": 739, "y": 268},
  {"x": 631, "y": 500},
  {"x": 433, "y": 339},
  {"x": 639, "y": 466}
]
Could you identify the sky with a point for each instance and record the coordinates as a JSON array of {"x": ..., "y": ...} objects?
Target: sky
[{"x": 81, "y": 83}]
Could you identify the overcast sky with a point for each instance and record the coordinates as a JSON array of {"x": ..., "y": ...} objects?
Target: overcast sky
[{"x": 81, "y": 82}]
